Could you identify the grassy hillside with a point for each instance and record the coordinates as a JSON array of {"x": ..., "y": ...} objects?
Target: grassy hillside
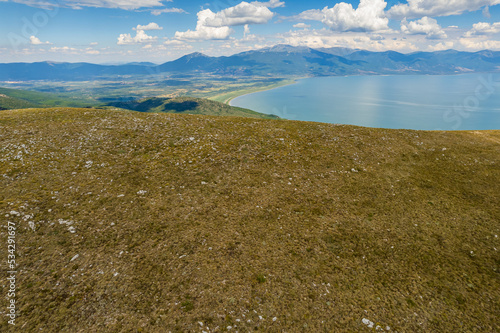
[
  {"x": 189, "y": 105},
  {"x": 136, "y": 222},
  {"x": 8, "y": 103},
  {"x": 22, "y": 99}
]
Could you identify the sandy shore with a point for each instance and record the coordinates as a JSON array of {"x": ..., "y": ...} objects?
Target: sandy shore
[{"x": 226, "y": 98}]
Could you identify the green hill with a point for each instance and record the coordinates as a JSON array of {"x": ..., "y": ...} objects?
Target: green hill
[
  {"x": 9, "y": 103},
  {"x": 188, "y": 105},
  {"x": 138, "y": 222},
  {"x": 24, "y": 99}
]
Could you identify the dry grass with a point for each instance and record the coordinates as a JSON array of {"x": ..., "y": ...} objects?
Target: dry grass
[{"x": 194, "y": 223}]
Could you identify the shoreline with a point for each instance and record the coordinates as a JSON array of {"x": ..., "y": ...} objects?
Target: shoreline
[{"x": 226, "y": 98}]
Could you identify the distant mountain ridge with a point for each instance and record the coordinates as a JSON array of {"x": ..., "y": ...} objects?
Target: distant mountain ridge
[{"x": 279, "y": 60}]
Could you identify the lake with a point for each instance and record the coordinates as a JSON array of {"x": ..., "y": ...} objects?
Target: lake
[{"x": 423, "y": 102}]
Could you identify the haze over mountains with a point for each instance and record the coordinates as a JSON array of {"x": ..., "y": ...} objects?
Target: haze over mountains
[{"x": 280, "y": 60}]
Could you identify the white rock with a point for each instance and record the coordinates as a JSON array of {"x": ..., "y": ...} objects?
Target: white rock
[
  {"x": 61, "y": 221},
  {"x": 367, "y": 322}
]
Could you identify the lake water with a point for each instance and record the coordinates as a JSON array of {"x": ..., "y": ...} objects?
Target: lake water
[{"x": 423, "y": 102}]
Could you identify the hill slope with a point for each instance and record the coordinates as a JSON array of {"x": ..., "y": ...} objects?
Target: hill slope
[
  {"x": 7, "y": 103},
  {"x": 164, "y": 222},
  {"x": 188, "y": 105},
  {"x": 22, "y": 99}
]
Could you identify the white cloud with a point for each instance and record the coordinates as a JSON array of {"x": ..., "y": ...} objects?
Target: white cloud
[
  {"x": 394, "y": 40},
  {"x": 369, "y": 16},
  {"x": 270, "y": 4},
  {"x": 241, "y": 14},
  {"x": 246, "y": 30},
  {"x": 352, "y": 40},
  {"x": 483, "y": 28},
  {"x": 310, "y": 15},
  {"x": 140, "y": 37},
  {"x": 174, "y": 42},
  {"x": 480, "y": 44},
  {"x": 441, "y": 46},
  {"x": 78, "y": 4},
  {"x": 92, "y": 51},
  {"x": 301, "y": 26},
  {"x": 377, "y": 37},
  {"x": 486, "y": 12},
  {"x": 64, "y": 49},
  {"x": 232, "y": 46},
  {"x": 217, "y": 25},
  {"x": 425, "y": 26},
  {"x": 157, "y": 12},
  {"x": 203, "y": 31},
  {"x": 36, "y": 41},
  {"x": 94, "y": 43},
  {"x": 150, "y": 26},
  {"x": 420, "y": 8},
  {"x": 177, "y": 44},
  {"x": 312, "y": 40}
]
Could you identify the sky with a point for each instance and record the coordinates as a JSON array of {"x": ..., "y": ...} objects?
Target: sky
[{"x": 118, "y": 31}]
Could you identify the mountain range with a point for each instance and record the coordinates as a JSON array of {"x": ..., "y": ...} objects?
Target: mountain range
[{"x": 280, "y": 60}]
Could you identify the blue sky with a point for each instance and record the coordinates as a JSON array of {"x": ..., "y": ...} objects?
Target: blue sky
[{"x": 112, "y": 31}]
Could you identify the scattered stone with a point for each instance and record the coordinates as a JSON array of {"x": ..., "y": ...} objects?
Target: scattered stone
[{"x": 368, "y": 323}]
